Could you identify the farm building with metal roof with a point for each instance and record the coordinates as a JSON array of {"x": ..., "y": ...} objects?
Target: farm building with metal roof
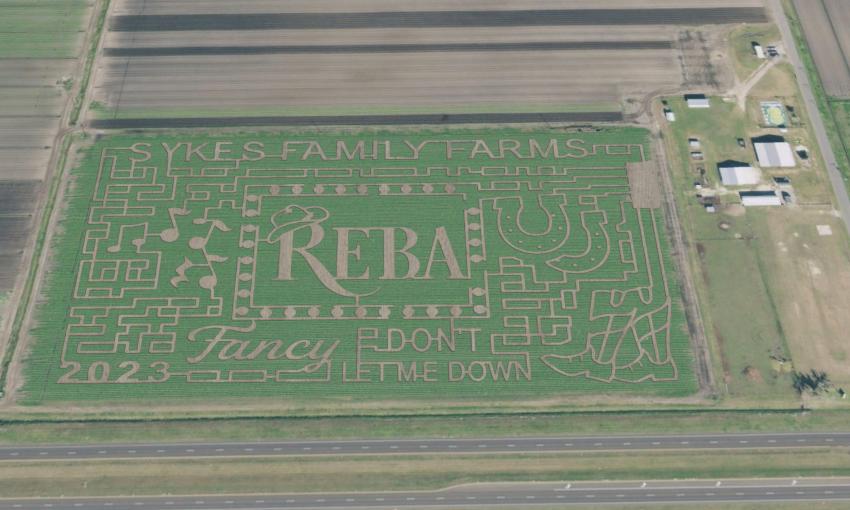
[
  {"x": 735, "y": 173},
  {"x": 774, "y": 151},
  {"x": 759, "y": 198},
  {"x": 697, "y": 101}
]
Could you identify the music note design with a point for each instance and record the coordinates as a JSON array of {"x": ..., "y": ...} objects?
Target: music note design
[{"x": 171, "y": 234}]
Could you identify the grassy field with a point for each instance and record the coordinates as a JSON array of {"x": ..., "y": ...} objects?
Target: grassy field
[
  {"x": 762, "y": 274},
  {"x": 741, "y": 318},
  {"x": 741, "y": 44},
  {"x": 33, "y": 431},
  {"x": 464, "y": 265},
  {"x": 841, "y": 116},
  {"x": 44, "y": 29},
  {"x": 363, "y": 473}
]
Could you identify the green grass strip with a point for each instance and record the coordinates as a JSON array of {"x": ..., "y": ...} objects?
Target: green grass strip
[
  {"x": 26, "y": 296},
  {"x": 90, "y": 57}
]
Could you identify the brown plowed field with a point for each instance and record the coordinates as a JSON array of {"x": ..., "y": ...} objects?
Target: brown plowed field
[
  {"x": 380, "y": 79},
  {"x": 826, "y": 24},
  {"x": 208, "y": 58},
  {"x": 131, "y": 7},
  {"x": 39, "y": 46}
]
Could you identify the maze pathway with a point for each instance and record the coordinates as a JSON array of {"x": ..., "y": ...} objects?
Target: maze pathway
[{"x": 497, "y": 264}]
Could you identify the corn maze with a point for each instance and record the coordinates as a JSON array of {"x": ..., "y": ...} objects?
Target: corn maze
[{"x": 497, "y": 264}]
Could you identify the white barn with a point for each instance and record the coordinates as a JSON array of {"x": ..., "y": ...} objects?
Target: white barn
[
  {"x": 760, "y": 198},
  {"x": 738, "y": 174},
  {"x": 775, "y": 154},
  {"x": 697, "y": 101}
]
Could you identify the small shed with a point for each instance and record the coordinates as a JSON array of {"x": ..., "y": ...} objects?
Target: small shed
[
  {"x": 735, "y": 173},
  {"x": 697, "y": 101},
  {"x": 760, "y": 198}
]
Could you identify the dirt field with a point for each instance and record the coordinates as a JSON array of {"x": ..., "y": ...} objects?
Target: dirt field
[
  {"x": 356, "y": 120},
  {"x": 204, "y": 58},
  {"x": 32, "y": 67},
  {"x": 260, "y": 6},
  {"x": 826, "y": 24},
  {"x": 381, "y": 80}
]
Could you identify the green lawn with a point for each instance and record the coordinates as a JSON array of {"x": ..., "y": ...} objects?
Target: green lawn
[
  {"x": 399, "y": 472},
  {"x": 322, "y": 267},
  {"x": 841, "y": 115},
  {"x": 740, "y": 315},
  {"x": 40, "y": 429}
]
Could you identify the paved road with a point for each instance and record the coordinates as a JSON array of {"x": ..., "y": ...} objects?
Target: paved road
[
  {"x": 426, "y": 446},
  {"x": 835, "y": 176},
  {"x": 480, "y": 495}
]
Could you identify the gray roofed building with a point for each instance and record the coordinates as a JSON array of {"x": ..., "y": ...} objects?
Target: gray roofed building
[
  {"x": 774, "y": 151},
  {"x": 759, "y": 198},
  {"x": 697, "y": 101},
  {"x": 734, "y": 173}
]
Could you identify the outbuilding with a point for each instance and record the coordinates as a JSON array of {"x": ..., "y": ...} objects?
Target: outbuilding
[
  {"x": 697, "y": 101},
  {"x": 774, "y": 152},
  {"x": 759, "y": 198},
  {"x": 735, "y": 173}
]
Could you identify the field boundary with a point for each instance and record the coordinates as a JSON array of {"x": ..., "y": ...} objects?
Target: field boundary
[
  {"x": 446, "y": 119},
  {"x": 61, "y": 417},
  {"x": 679, "y": 255}
]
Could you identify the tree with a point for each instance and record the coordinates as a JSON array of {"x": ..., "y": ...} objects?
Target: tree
[{"x": 813, "y": 381}]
